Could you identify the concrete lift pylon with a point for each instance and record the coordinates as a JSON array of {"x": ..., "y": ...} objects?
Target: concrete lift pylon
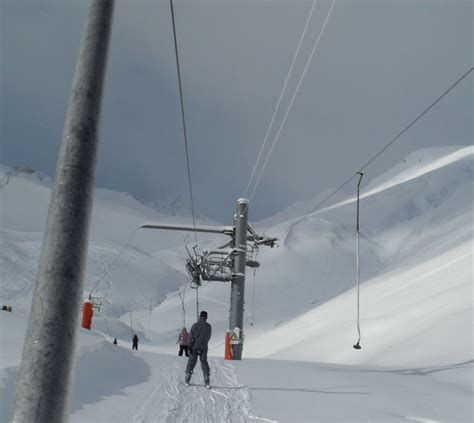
[{"x": 226, "y": 264}]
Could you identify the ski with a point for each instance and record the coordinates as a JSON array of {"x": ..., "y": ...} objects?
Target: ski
[{"x": 197, "y": 385}]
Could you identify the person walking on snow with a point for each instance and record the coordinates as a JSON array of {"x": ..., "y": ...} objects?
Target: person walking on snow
[
  {"x": 135, "y": 342},
  {"x": 198, "y": 344},
  {"x": 183, "y": 342}
]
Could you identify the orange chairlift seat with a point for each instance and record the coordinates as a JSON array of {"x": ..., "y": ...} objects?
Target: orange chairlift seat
[{"x": 87, "y": 313}]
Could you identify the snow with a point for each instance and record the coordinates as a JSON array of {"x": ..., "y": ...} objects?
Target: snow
[{"x": 416, "y": 361}]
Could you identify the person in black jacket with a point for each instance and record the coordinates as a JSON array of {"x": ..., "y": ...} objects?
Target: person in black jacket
[
  {"x": 198, "y": 344},
  {"x": 135, "y": 342}
]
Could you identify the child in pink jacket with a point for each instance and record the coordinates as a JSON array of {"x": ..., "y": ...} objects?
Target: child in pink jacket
[{"x": 183, "y": 342}]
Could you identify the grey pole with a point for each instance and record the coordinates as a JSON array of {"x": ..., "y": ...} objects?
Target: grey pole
[
  {"x": 238, "y": 278},
  {"x": 45, "y": 378}
]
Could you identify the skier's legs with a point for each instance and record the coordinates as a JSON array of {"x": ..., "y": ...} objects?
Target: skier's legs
[
  {"x": 186, "y": 350},
  {"x": 191, "y": 362},
  {"x": 205, "y": 365},
  {"x": 180, "y": 350}
]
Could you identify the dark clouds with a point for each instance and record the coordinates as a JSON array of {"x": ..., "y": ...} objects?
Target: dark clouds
[{"x": 378, "y": 65}]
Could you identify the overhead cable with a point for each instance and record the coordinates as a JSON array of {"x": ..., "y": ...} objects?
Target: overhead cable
[
  {"x": 305, "y": 29},
  {"x": 417, "y": 119},
  {"x": 183, "y": 119},
  {"x": 308, "y": 62},
  {"x": 395, "y": 138}
]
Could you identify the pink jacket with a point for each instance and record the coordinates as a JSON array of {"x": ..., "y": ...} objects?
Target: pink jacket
[{"x": 183, "y": 337}]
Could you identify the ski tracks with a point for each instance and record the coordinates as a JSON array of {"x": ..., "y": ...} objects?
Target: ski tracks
[{"x": 172, "y": 401}]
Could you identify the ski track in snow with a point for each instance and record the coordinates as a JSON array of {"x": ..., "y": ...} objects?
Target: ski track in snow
[{"x": 172, "y": 401}]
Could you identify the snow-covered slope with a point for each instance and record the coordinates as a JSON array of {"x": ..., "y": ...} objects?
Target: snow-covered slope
[
  {"x": 416, "y": 362},
  {"x": 416, "y": 249},
  {"x": 25, "y": 195},
  {"x": 300, "y": 208}
]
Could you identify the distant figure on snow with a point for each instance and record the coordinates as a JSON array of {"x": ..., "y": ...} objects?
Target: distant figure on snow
[
  {"x": 183, "y": 342},
  {"x": 198, "y": 344},
  {"x": 135, "y": 342},
  {"x": 115, "y": 341}
]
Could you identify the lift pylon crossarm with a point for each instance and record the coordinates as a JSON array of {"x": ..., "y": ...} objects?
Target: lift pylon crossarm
[
  {"x": 252, "y": 263},
  {"x": 223, "y": 251},
  {"x": 268, "y": 241},
  {"x": 226, "y": 230},
  {"x": 215, "y": 278}
]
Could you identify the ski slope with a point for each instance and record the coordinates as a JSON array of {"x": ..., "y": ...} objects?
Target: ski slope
[{"x": 416, "y": 362}]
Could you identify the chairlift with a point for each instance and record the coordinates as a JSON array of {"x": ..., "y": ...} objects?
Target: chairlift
[
  {"x": 88, "y": 307},
  {"x": 87, "y": 313}
]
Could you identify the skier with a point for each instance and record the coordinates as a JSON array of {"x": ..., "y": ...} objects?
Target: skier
[
  {"x": 135, "y": 342},
  {"x": 183, "y": 342},
  {"x": 115, "y": 341},
  {"x": 198, "y": 339}
]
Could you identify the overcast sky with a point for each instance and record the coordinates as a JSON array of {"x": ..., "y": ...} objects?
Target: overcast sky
[{"x": 378, "y": 65}]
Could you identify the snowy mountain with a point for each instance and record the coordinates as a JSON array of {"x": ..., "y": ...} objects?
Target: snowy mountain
[
  {"x": 418, "y": 217},
  {"x": 115, "y": 218},
  {"x": 179, "y": 206},
  {"x": 416, "y": 362},
  {"x": 298, "y": 209}
]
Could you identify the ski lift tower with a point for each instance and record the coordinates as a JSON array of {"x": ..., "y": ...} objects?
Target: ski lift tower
[
  {"x": 226, "y": 264},
  {"x": 236, "y": 318}
]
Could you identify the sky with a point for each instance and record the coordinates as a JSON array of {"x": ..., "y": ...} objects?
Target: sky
[{"x": 377, "y": 66}]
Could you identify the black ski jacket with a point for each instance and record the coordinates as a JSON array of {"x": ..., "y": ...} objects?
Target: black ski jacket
[{"x": 199, "y": 335}]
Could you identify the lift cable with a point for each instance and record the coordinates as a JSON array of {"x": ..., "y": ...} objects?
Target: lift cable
[
  {"x": 308, "y": 62},
  {"x": 183, "y": 308},
  {"x": 303, "y": 34},
  {"x": 107, "y": 328},
  {"x": 253, "y": 292},
  {"x": 185, "y": 134},
  {"x": 183, "y": 119},
  {"x": 417, "y": 118},
  {"x": 373, "y": 158},
  {"x": 197, "y": 303}
]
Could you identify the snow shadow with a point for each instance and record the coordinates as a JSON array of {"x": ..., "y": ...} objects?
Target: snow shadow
[
  {"x": 106, "y": 371},
  {"x": 315, "y": 391},
  {"x": 100, "y": 372},
  {"x": 423, "y": 371}
]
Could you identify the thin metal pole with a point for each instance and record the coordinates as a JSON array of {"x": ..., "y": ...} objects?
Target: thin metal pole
[
  {"x": 238, "y": 278},
  {"x": 181, "y": 297},
  {"x": 149, "y": 319},
  {"x": 45, "y": 378},
  {"x": 197, "y": 303},
  {"x": 357, "y": 345}
]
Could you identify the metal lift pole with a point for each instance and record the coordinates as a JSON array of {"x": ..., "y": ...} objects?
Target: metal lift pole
[
  {"x": 45, "y": 378},
  {"x": 238, "y": 278}
]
